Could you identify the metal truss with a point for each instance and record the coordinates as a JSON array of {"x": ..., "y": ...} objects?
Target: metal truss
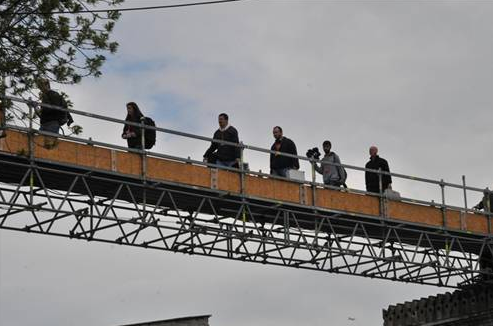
[{"x": 164, "y": 216}]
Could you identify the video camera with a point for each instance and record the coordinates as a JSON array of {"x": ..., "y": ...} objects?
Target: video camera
[{"x": 313, "y": 153}]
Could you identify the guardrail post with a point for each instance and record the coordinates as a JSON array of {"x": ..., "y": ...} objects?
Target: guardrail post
[
  {"x": 443, "y": 208},
  {"x": 487, "y": 207},
  {"x": 465, "y": 192},
  {"x": 144, "y": 167},
  {"x": 30, "y": 136},
  {"x": 314, "y": 179},
  {"x": 3, "y": 113},
  {"x": 381, "y": 196},
  {"x": 142, "y": 144},
  {"x": 242, "y": 169},
  {"x": 2, "y": 117}
]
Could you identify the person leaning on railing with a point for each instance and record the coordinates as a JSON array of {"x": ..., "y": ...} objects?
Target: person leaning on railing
[
  {"x": 334, "y": 175},
  {"x": 51, "y": 119},
  {"x": 372, "y": 179},
  {"x": 486, "y": 203},
  {"x": 279, "y": 164},
  {"x": 133, "y": 134},
  {"x": 223, "y": 154}
]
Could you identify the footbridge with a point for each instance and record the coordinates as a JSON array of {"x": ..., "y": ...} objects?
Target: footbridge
[{"x": 91, "y": 190}]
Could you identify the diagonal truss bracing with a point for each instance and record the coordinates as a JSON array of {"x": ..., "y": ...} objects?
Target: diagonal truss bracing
[{"x": 143, "y": 213}]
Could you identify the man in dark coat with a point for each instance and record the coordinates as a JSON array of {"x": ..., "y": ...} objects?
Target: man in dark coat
[
  {"x": 221, "y": 154},
  {"x": 52, "y": 119},
  {"x": 486, "y": 203},
  {"x": 279, "y": 164},
  {"x": 371, "y": 178}
]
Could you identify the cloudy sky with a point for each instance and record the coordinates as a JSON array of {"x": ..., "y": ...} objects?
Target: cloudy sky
[{"x": 414, "y": 78}]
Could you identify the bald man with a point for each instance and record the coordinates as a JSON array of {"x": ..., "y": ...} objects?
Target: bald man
[{"x": 371, "y": 178}]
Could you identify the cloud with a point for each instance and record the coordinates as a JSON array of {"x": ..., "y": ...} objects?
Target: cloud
[{"x": 414, "y": 78}]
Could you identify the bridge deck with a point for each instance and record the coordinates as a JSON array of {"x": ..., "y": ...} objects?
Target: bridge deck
[{"x": 114, "y": 164}]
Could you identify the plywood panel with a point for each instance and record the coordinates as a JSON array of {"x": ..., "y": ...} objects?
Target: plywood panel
[
  {"x": 272, "y": 189},
  {"x": 477, "y": 223},
  {"x": 279, "y": 190},
  {"x": 15, "y": 142},
  {"x": 343, "y": 200},
  {"x": 128, "y": 163},
  {"x": 178, "y": 172},
  {"x": 453, "y": 219},
  {"x": 229, "y": 181},
  {"x": 415, "y": 213},
  {"x": 102, "y": 158}
]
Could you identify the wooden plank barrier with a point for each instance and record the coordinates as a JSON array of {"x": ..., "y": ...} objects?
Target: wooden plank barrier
[{"x": 130, "y": 164}]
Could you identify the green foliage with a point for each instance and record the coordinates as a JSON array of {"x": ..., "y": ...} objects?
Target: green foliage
[{"x": 37, "y": 42}]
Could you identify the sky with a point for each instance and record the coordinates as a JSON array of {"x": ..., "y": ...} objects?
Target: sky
[{"x": 414, "y": 78}]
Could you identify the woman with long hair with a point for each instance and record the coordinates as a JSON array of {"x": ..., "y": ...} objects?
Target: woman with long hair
[{"x": 133, "y": 134}]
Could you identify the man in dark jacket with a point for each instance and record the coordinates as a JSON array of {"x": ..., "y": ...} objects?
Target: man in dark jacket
[
  {"x": 486, "y": 203},
  {"x": 371, "y": 178},
  {"x": 279, "y": 164},
  {"x": 221, "y": 154},
  {"x": 52, "y": 119}
]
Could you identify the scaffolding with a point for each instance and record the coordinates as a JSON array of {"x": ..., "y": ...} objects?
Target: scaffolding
[{"x": 56, "y": 197}]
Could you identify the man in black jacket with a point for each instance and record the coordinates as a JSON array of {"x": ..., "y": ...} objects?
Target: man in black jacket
[
  {"x": 486, "y": 203},
  {"x": 279, "y": 164},
  {"x": 221, "y": 154},
  {"x": 371, "y": 178},
  {"x": 52, "y": 119}
]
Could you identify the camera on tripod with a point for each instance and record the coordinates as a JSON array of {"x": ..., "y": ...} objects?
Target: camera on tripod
[{"x": 313, "y": 153}]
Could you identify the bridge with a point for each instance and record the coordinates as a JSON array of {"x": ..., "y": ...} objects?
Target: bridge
[{"x": 95, "y": 191}]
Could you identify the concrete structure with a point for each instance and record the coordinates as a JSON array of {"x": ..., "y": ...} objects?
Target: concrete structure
[
  {"x": 184, "y": 321},
  {"x": 471, "y": 306}
]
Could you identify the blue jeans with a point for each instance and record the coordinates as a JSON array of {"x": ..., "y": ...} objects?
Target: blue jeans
[
  {"x": 227, "y": 164},
  {"x": 50, "y": 126},
  {"x": 280, "y": 172}
]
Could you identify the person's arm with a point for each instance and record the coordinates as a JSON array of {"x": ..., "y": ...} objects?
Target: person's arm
[
  {"x": 70, "y": 120},
  {"x": 318, "y": 168},
  {"x": 295, "y": 161},
  {"x": 124, "y": 132},
  {"x": 340, "y": 172},
  {"x": 272, "y": 157},
  {"x": 386, "y": 178},
  {"x": 479, "y": 206},
  {"x": 211, "y": 148},
  {"x": 236, "y": 139},
  {"x": 367, "y": 177}
]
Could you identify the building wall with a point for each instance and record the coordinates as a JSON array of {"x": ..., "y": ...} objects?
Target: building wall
[
  {"x": 472, "y": 306},
  {"x": 186, "y": 321}
]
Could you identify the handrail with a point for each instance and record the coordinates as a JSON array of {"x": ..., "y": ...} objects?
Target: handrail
[{"x": 243, "y": 147}]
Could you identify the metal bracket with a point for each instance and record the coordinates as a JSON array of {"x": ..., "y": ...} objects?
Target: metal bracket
[
  {"x": 463, "y": 220},
  {"x": 214, "y": 178},
  {"x": 113, "y": 160},
  {"x": 303, "y": 199}
]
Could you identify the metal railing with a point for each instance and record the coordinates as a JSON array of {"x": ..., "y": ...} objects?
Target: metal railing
[{"x": 31, "y": 105}]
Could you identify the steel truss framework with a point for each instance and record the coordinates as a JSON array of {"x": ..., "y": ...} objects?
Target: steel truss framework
[{"x": 150, "y": 214}]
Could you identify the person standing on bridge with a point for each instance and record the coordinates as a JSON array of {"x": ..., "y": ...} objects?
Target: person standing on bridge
[
  {"x": 279, "y": 164},
  {"x": 222, "y": 154},
  {"x": 486, "y": 203},
  {"x": 334, "y": 175},
  {"x": 52, "y": 119},
  {"x": 133, "y": 134},
  {"x": 372, "y": 179}
]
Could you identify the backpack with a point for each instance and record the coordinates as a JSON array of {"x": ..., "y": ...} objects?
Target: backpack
[
  {"x": 150, "y": 134},
  {"x": 342, "y": 172},
  {"x": 344, "y": 175},
  {"x": 54, "y": 98}
]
